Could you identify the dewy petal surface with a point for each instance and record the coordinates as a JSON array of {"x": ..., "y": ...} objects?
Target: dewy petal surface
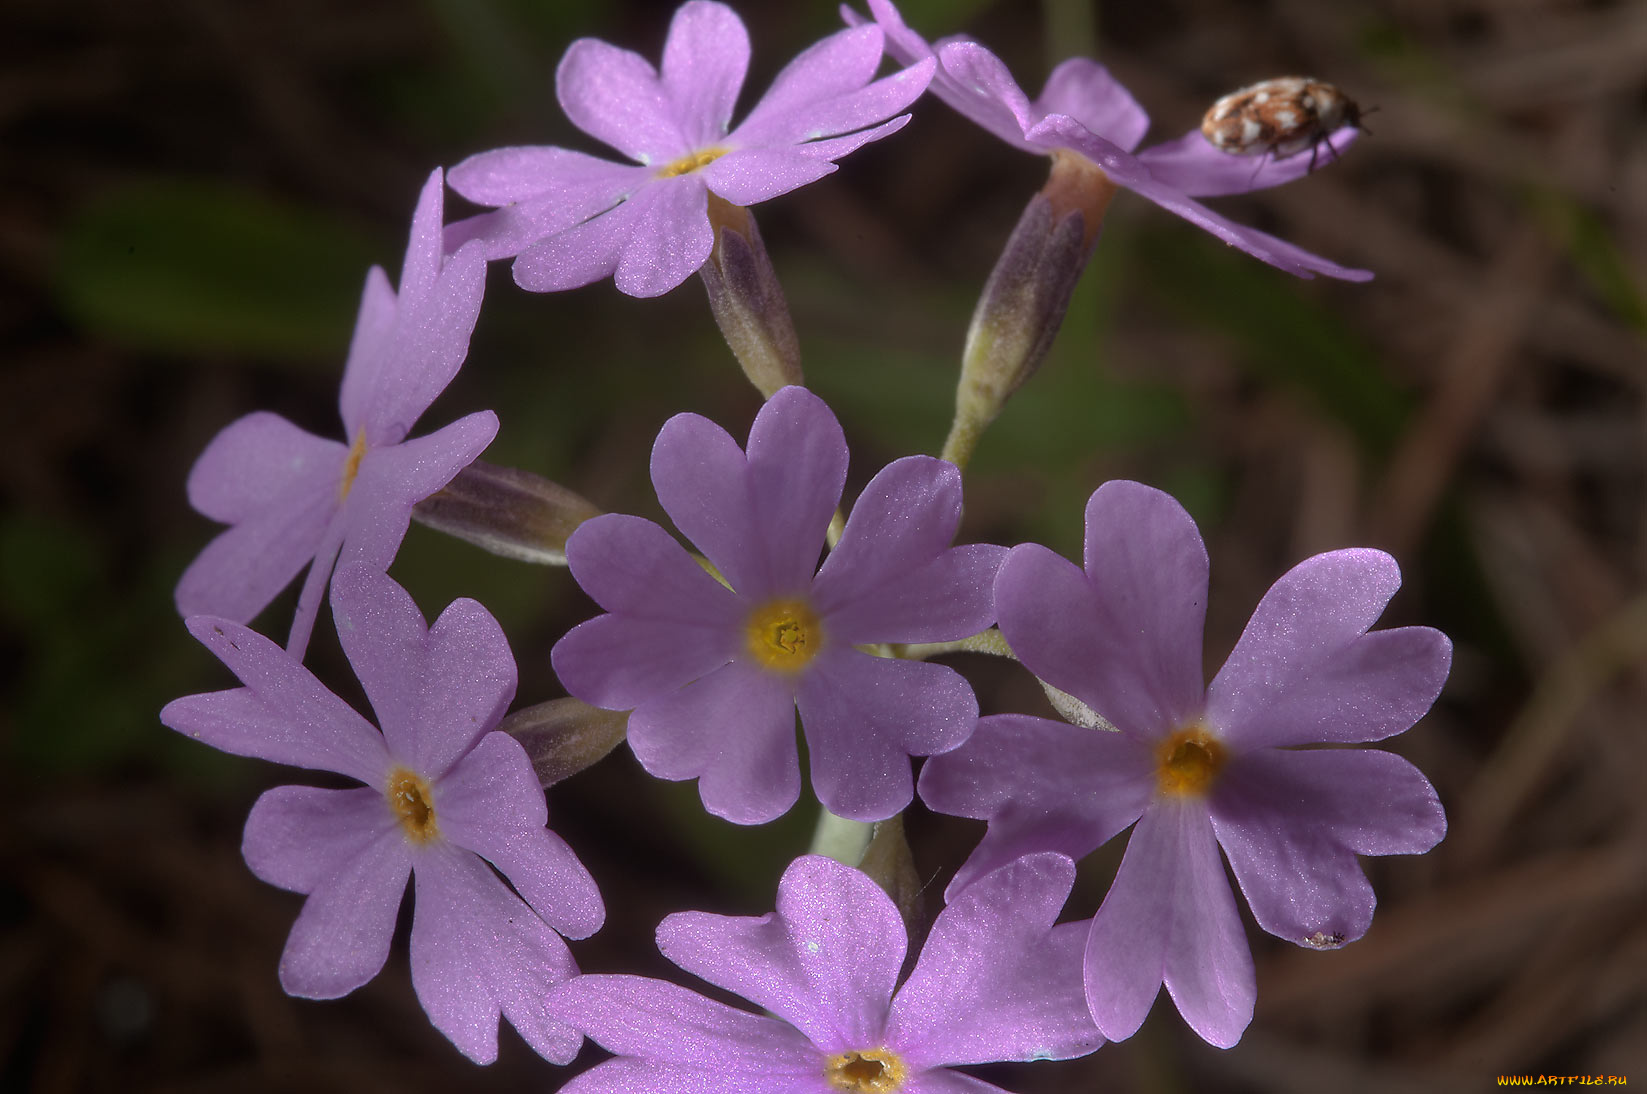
[
  {"x": 478, "y": 953},
  {"x": 704, "y": 61},
  {"x": 672, "y": 242},
  {"x": 1042, "y": 785},
  {"x": 748, "y": 177},
  {"x": 865, "y": 716},
  {"x": 996, "y": 980},
  {"x": 733, "y": 731},
  {"x": 616, "y": 96},
  {"x": 587, "y": 252},
  {"x": 1170, "y": 917},
  {"x": 825, "y": 960},
  {"x": 1292, "y": 824},
  {"x": 1305, "y": 671}
]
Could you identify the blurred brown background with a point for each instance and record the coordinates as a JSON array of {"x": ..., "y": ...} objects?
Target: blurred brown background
[{"x": 191, "y": 192}]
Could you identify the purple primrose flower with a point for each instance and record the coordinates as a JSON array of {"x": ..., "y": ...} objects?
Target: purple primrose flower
[
  {"x": 1083, "y": 110},
  {"x": 444, "y": 796},
  {"x": 1200, "y": 766},
  {"x": 574, "y": 219},
  {"x": 996, "y": 981},
  {"x": 292, "y": 498},
  {"x": 714, "y": 672}
]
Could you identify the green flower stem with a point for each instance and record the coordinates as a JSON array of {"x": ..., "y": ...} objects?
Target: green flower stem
[{"x": 843, "y": 840}]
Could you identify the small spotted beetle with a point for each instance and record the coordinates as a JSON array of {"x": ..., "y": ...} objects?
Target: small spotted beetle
[{"x": 1279, "y": 117}]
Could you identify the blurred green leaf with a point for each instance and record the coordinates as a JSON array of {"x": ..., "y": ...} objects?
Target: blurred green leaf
[
  {"x": 192, "y": 266},
  {"x": 94, "y": 674},
  {"x": 1589, "y": 243},
  {"x": 1285, "y": 337}
]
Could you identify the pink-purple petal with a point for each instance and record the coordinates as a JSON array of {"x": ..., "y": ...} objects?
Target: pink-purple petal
[
  {"x": 259, "y": 461},
  {"x": 1085, "y": 90},
  {"x": 341, "y": 938},
  {"x": 837, "y": 65},
  {"x": 1055, "y": 619},
  {"x": 950, "y": 597},
  {"x": 1292, "y": 824},
  {"x": 620, "y": 662},
  {"x": 632, "y": 566},
  {"x": 616, "y": 96},
  {"x": 797, "y": 468},
  {"x": 904, "y": 518},
  {"x": 750, "y": 176},
  {"x": 435, "y": 691},
  {"x": 772, "y": 1073},
  {"x": 1042, "y": 786},
  {"x": 704, "y": 62},
  {"x": 1149, "y": 568},
  {"x": 422, "y": 264},
  {"x": 282, "y": 714},
  {"x": 1305, "y": 670},
  {"x": 246, "y": 566},
  {"x": 316, "y": 581},
  {"x": 865, "y": 716},
  {"x": 825, "y": 960},
  {"x": 298, "y": 836},
  {"x": 833, "y": 148},
  {"x": 431, "y": 340},
  {"x": 478, "y": 953},
  {"x": 1062, "y": 131},
  {"x": 588, "y": 251},
  {"x": 575, "y": 181},
  {"x": 976, "y": 83},
  {"x": 1170, "y": 917},
  {"x": 391, "y": 480},
  {"x": 662, "y": 1023},
  {"x": 492, "y": 804},
  {"x": 996, "y": 980},
  {"x": 369, "y": 347},
  {"x": 857, "y": 108},
  {"x": 734, "y": 731},
  {"x": 671, "y": 243},
  {"x": 1193, "y": 166},
  {"x": 702, "y": 480}
]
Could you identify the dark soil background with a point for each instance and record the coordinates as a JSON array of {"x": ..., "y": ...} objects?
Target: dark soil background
[{"x": 191, "y": 192}]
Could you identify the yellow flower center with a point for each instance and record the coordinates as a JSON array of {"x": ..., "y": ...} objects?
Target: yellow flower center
[
  {"x": 413, "y": 805},
  {"x": 876, "y": 1071},
  {"x": 1188, "y": 762},
  {"x": 692, "y": 161},
  {"x": 351, "y": 464},
  {"x": 783, "y": 635}
]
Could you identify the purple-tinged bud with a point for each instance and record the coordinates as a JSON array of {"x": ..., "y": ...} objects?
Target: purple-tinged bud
[
  {"x": 1024, "y": 300},
  {"x": 508, "y": 512},
  {"x": 564, "y": 736},
  {"x": 747, "y": 301}
]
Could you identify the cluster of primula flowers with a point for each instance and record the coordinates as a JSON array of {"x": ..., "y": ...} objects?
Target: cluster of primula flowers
[{"x": 707, "y": 651}]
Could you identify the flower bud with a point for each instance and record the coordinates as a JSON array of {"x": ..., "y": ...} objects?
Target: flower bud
[{"x": 508, "y": 512}]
